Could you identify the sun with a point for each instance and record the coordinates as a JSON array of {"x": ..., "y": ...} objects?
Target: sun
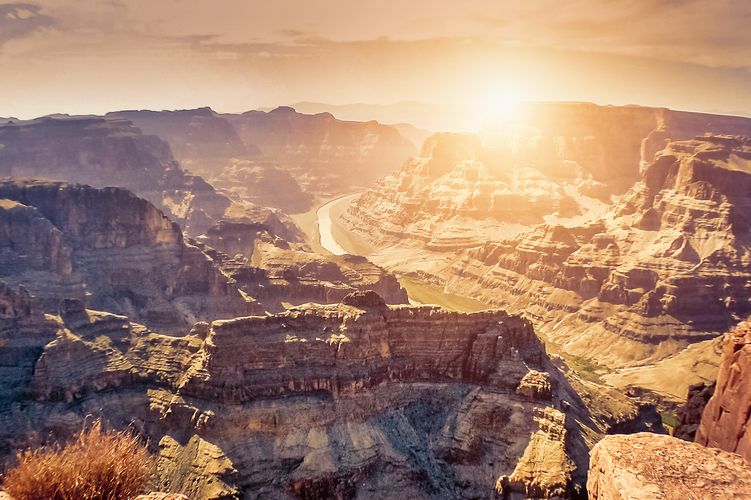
[
  {"x": 500, "y": 110},
  {"x": 503, "y": 106}
]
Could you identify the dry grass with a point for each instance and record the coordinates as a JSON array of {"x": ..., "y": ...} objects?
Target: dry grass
[{"x": 99, "y": 464}]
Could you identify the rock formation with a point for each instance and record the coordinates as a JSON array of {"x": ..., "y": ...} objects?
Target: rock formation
[
  {"x": 665, "y": 267},
  {"x": 356, "y": 399},
  {"x": 112, "y": 152},
  {"x": 279, "y": 273},
  {"x": 646, "y": 466},
  {"x": 279, "y": 158},
  {"x": 558, "y": 162},
  {"x": 111, "y": 249},
  {"x": 726, "y": 422}
]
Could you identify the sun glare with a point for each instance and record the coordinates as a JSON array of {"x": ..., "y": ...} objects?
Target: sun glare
[{"x": 500, "y": 110}]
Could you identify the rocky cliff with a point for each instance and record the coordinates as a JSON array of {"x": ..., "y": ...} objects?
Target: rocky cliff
[
  {"x": 279, "y": 158},
  {"x": 645, "y": 466},
  {"x": 278, "y": 273},
  {"x": 673, "y": 255},
  {"x": 349, "y": 400},
  {"x": 551, "y": 162},
  {"x": 665, "y": 267},
  {"x": 113, "y": 250},
  {"x": 112, "y": 152},
  {"x": 726, "y": 421}
]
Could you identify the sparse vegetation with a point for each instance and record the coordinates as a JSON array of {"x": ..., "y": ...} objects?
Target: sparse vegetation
[
  {"x": 99, "y": 464},
  {"x": 669, "y": 419}
]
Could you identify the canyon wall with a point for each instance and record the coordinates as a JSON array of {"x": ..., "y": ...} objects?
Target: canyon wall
[
  {"x": 113, "y": 250},
  {"x": 349, "y": 400},
  {"x": 521, "y": 218},
  {"x": 279, "y": 158}
]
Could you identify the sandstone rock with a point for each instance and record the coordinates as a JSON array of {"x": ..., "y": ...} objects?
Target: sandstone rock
[
  {"x": 671, "y": 256},
  {"x": 279, "y": 158},
  {"x": 278, "y": 273},
  {"x": 647, "y": 466},
  {"x": 726, "y": 421},
  {"x": 323, "y": 154},
  {"x": 109, "y": 152},
  {"x": 114, "y": 251},
  {"x": 316, "y": 401},
  {"x": 364, "y": 299},
  {"x": 535, "y": 385},
  {"x": 544, "y": 469},
  {"x": 614, "y": 289}
]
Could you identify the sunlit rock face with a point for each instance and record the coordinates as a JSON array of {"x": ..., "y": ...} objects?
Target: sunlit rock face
[
  {"x": 279, "y": 158},
  {"x": 359, "y": 399},
  {"x": 548, "y": 162},
  {"x": 726, "y": 421},
  {"x": 111, "y": 249},
  {"x": 644, "y": 466},
  {"x": 528, "y": 219},
  {"x": 667, "y": 265}
]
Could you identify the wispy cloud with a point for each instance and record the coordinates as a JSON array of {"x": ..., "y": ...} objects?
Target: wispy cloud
[{"x": 21, "y": 19}]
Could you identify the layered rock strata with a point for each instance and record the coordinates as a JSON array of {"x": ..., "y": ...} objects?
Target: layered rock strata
[
  {"x": 279, "y": 273},
  {"x": 673, "y": 255},
  {"x": 549, "y": 162},
  {"x": 113, "y": 250},
  {"x": 112, "y": 152},
  {"x": 350, "y": 400},
  {"x": 279, "y": 158}
]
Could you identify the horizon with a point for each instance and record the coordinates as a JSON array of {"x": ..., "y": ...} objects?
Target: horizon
[{"x": 339, "y": 112}]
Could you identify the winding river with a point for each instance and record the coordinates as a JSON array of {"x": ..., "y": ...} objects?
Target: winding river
[{"x": 325, "y": 224}]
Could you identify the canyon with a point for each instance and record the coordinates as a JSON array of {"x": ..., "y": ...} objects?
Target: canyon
[
  {"x": 602, "y": 253},
  {"x": 642, "y": 287},
  {"x": 315, "y": 402},
  {"x": 278, "y": 158}
]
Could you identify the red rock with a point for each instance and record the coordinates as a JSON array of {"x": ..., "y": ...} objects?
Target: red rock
[{"x": 726, "y": 422}]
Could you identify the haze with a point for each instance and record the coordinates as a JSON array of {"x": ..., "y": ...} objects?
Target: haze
[{"x": 462, "y": 57}]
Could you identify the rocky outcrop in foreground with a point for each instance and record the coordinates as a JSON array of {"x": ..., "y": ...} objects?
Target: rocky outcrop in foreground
[
  {"x": 356, "y": 399},
  {"x": 646, "y": 466},
  {"x": 726, "y": 422}
]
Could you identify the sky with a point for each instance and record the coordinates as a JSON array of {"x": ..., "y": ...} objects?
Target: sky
[{"x": 463, "y": 57}]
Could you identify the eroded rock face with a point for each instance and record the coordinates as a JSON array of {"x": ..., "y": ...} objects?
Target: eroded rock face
[
  {"x": 276, "y": 271},
  {"x": 666, "y": 267},
  {"x": 322, "y": 153},
  {"x": 647, "y": 466},
  {"x": 316, "y": 402},
  {"x": 112, "y": 250},
  {"x": 726, "y": 421},
  {"x": 280, "y": 158},
  {"x": 557, "y": 162},
  {"x": 112, "y": 152}
]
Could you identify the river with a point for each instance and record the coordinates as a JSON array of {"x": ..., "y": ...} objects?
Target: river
[{"x": 325, "y": 224}]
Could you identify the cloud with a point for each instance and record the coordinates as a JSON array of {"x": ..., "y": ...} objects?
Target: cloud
[{"x": 18, "y": 20}]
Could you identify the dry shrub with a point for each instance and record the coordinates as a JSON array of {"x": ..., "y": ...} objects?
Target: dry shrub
[{"x": 98, "y": 464}]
